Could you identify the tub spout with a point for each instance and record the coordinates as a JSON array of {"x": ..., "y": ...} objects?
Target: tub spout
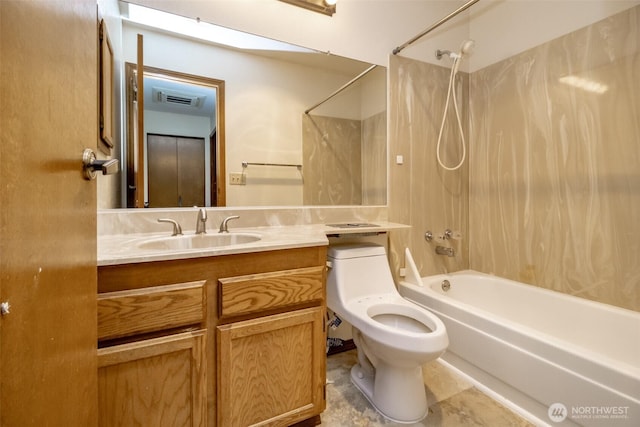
[{"x": 441, "y": 250}]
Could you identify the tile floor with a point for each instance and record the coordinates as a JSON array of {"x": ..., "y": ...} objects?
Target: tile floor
[{"x": 453, "y": 401}]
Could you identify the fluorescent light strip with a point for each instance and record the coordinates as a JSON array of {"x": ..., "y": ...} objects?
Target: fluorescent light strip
[{"x": 205, "y": 31}]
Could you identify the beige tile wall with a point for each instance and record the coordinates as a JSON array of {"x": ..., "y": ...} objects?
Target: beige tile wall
[
  {"x": 421, "y": 193},
  {"x": 332, "y": 161},
  {"x": 555, "y": 170},
  {"x": 552, "y": 195},
  {"x": 344, "y": 160},
  {"x": 374, "y": 160}
]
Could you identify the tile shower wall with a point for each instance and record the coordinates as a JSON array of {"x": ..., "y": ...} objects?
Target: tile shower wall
[
  {"x": 552, "y": 193},
  {"x": 555, "y": 169},
  {"x": 421, "y": 193},
  {"x": 345, "y": 161},
  {"x": 374, "y": 160},
  {"x": 332, "y": 161}
]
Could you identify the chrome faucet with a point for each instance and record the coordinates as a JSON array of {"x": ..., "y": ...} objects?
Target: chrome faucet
[
  {"x": 201, "y": 223},
  {"x": 224, "y": 228},
  {"x": 441, "y": 250}
]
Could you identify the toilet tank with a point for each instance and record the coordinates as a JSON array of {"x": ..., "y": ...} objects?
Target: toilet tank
[{"x": 357, "y": 270}]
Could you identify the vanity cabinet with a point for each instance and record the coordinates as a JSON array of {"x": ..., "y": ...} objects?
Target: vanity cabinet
[
  {"x": 271, "y": 368},
  {"x": 151, "y": 356},
  {"x": 229, "y": 340}
]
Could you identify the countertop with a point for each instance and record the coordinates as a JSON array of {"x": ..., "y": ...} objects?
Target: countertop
[{"x": 124, "y": 248}]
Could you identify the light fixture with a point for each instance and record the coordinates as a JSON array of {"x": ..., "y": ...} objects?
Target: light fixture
[
  {"x": 201, "y": 30},
  {"x": 327, "y": 7}
]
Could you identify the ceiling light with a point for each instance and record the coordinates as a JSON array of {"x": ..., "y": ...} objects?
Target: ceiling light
[{"x": 202, "y": 30}]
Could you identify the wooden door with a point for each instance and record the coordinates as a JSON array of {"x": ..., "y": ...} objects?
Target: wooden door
[
  {"x": 176, "y": 171},
  {"x": 48, "y": 115}
]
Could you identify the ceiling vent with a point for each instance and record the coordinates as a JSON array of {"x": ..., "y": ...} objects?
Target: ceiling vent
[{"x": 172, "y": 97}]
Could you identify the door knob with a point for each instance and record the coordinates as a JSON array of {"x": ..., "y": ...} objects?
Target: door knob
[{"x": 90, "y": 165}]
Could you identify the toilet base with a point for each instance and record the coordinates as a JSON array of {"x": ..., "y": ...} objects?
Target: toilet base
[{"x": 397, "y": 394}]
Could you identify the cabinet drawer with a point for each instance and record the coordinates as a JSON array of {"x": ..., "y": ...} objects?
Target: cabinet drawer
[
  {"x": 243, "y": 295},
  {"x": 136, "y": 311}
]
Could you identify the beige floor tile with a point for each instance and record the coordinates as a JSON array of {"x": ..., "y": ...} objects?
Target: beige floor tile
[
  {"x": 453, "y": 401},
  {"x": 472, "y": 408}
]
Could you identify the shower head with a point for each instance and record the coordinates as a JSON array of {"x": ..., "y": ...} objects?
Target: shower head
[{"x": 466, "y": 47}]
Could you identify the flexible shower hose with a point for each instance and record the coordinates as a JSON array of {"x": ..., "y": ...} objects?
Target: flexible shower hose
[{"x": 452, "y": 90}]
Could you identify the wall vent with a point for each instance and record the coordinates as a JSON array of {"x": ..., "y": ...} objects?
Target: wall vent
[{"x": 172, "y": 97}]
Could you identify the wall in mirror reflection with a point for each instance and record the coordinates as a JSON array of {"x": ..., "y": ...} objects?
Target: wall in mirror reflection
[{"x": 344, "y": 152}]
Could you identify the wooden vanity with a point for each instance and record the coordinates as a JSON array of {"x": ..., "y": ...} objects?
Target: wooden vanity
[{"x": 229, "y": 340}]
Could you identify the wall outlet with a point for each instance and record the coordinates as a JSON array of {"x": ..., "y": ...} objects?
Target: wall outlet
[{"x": 237, "y": 179}]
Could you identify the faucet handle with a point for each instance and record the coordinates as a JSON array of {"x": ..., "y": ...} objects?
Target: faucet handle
[
  {"x": 449, "y": 234},
  {"x": 176, "y": 227},
  {"x": 224, "y": 228}
]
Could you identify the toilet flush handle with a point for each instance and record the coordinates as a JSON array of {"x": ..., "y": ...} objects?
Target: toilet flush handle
[{"x": 329, "y": 264}]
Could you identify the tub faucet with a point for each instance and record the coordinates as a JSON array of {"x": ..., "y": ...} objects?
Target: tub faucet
[
  {"x": 201, "y": 223},
  {"x": 441, "y": 250},
  {"x": 223, "y": 226}
]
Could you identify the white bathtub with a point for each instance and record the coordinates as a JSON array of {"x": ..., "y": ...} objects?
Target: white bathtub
[{"x": 537, "y": 348}]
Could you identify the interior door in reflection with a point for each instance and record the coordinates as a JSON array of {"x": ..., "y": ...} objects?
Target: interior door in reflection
[{"x": 176, "y": 171}]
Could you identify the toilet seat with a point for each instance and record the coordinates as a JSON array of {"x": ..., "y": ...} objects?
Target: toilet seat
[{"x": 362, "y": 312}]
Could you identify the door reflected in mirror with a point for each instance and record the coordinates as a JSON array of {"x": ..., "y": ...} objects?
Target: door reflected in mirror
[
  {"x": 261, "y": 118},
  {"x": 183, "y": 123}
]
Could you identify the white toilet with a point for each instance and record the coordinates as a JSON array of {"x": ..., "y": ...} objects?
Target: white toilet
[{"x": 394, "y": 337}]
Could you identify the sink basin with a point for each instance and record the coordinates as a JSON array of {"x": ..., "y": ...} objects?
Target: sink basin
[{"x": 198, "y": 241}]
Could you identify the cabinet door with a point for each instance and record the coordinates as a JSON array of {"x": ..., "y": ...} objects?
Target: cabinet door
[
  {"x": 154, "y": 382},
  {"x": 271, "y": 370}
]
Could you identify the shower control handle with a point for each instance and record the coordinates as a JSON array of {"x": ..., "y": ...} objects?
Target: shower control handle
[{"x": 448, "y": 235}]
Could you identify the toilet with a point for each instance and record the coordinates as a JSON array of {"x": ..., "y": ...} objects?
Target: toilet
[{"x": 393, "y": 336}]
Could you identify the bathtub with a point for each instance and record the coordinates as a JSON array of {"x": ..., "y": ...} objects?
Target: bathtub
[{"x": 557, "y": 359}]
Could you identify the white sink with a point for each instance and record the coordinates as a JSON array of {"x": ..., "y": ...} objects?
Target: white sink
[{"x": 198, "y": 241}]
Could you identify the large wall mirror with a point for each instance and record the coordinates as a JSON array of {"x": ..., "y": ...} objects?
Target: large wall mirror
[{"x": 254, "y": 145}]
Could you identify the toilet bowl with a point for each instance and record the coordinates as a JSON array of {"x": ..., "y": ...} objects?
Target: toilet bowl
[{"x": 393, "y": 336}]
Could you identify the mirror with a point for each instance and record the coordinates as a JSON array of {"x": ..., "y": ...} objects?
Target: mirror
[{"x": 260, "y": 148}]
